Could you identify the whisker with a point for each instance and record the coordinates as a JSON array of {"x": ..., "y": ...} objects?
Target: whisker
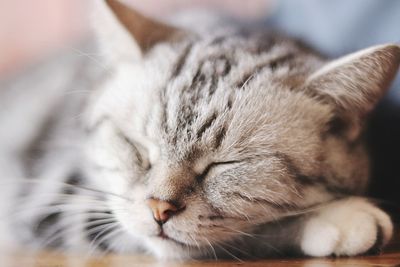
[
  {"x": 237, "y": 231},
  {"x": 238, "y": 249},
  {"x": 109, "y": 227},
  {"x": 229, "y": 253},
  {"x": 212, "y": 248},
  {"x": 107, "y": 237},
  {"x": 92, "y": 58},
  {"x": 81, "y": 187},
  {"x": 28, "y": 211},
  {"x": 66, "y": 228},
  {"x": 60, "y": 197}
]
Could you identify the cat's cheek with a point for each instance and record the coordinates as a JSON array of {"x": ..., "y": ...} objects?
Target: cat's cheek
[{"x": 135, "y": 216}]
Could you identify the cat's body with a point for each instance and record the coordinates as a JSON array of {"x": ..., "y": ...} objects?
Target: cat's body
[{"x": 216, "y": 143}]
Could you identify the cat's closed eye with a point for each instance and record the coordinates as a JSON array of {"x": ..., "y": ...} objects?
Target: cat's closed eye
[
  {"x": 200, "y": 177},
  {"x": 139, "y": 151},
  {"x": 206, "y": 141}
]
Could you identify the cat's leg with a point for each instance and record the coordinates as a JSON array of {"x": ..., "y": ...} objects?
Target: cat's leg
[{"x": 348, "y": 227}]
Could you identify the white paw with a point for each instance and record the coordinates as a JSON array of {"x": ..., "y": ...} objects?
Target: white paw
[{"x": 346, "y": 227}]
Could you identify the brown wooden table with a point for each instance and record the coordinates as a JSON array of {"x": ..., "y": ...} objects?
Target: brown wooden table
[{"x": 51, "y": 259}]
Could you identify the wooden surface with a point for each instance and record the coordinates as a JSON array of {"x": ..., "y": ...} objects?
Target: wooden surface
[{"x": 46, "y": 259}]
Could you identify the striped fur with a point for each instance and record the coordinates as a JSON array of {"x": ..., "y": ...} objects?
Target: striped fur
[{"x": 244, "y": 128}]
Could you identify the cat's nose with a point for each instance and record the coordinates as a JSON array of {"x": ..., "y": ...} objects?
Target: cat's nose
[{"x": 162, "y": 210}]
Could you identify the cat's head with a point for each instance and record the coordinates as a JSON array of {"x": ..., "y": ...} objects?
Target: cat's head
[{"x": 216, "y": 134}]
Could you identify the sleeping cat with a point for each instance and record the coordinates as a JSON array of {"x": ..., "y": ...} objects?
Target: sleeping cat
[{"x": 200, "y": 141}]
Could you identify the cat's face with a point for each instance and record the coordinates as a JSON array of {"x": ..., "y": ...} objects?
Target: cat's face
[
  {"x": 230, "y": 151},
  {"x": 225, "y": 132}
]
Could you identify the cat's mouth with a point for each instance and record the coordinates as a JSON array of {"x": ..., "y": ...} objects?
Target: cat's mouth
[{"x": 162, "y": 235}]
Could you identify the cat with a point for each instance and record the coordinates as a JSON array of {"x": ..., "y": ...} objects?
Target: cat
[{"x": 196, "y": 141}]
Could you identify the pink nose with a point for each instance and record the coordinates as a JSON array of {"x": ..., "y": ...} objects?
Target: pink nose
[{"x": 162, "y": 210}]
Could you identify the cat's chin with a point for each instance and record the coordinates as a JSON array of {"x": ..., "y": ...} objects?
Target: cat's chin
[{"x": 171, "y": 249}]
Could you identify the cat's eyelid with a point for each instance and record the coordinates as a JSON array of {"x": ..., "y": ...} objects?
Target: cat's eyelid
[
  {"x": 140, "y": 150},
  {"x": 136, "y": 145},
  {"x": 211, "y": 165},
  {"x": 225, "y": 162},
  {"x": 131, "y": 143}
]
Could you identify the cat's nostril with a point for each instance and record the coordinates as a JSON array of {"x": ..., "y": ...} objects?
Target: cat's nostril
[{"x": 162, "y": 210}]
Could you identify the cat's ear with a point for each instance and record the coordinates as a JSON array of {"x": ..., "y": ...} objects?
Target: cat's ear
[
  {"x": 125, "y": 33},
  {"x": 356, "y": 82}
]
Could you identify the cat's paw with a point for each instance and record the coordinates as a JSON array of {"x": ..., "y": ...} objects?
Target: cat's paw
[{"x": 345, "y": 228}]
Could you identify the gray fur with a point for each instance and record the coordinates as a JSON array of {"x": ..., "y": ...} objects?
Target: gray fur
[{"x": 239, "y": 126}]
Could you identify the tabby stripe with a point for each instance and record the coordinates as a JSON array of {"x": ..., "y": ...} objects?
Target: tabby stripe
[
  {"x": 218, "y": 40},
  {"x": 181, "y": 61},
  {"x": 229, "y": 104},
  {"x": 272, "y": 65},
  {"x": 264, "y": 45},
  {"x": 280, "y": 61},
  {"x": 217, "y": 73},
  {"x": 199, "y": 77},
  {"x": 207, "y": 124},
  {"x": 224, "y": 60},
  {"x": 245, "y": 79},
  {"x": 189, "y": 93},
  {"x": 228, "y": 67},
  {"x": 213, "y": 84},
  {"x": 219, "y": 137}
]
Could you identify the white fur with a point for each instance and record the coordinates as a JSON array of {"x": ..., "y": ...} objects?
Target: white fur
[
  {"x": 345, "y": 228},
  {"x": 272, "y": 136}
]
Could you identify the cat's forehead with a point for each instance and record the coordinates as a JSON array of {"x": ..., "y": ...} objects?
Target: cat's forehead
[
  {"x": 227, "y": 92},
  {"x": 208, "y": 94}
]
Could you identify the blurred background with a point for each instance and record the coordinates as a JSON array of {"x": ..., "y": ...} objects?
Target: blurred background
[
  {"x": 31, "y": 31},
  {"x": 34, "y": 31}
]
